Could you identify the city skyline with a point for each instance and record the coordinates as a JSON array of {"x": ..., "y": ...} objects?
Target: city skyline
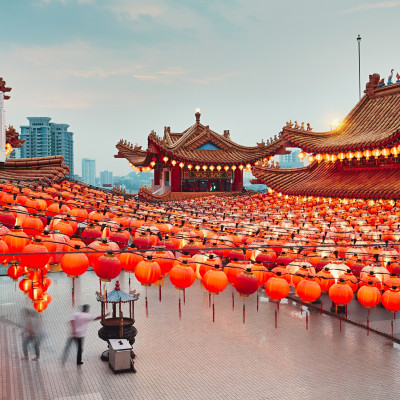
[{"x": 131, "y": 66}]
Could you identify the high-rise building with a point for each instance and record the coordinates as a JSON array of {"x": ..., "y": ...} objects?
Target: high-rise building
[
  {"x": 291, "y": 160},
  {"x": 89, "y": 171},
  {"x": 44, "y": 138},
  {"x": 106, "y": 179}
]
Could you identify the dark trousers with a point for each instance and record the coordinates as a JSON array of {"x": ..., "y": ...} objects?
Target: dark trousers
[
  {"x": 79, "y": 343},
  {"x": 35, "y": 340}
]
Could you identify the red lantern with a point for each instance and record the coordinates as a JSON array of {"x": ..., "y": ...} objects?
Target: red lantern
[
  {"x": 130, "y": 259},
  {"x": 308, "y": 289},
  {"x": 266, "y": 257},
  {"x": 40, "y": 305},
  {"x": 25, "y": 285},
  {"x": 36, "y": 291},
  {"x": 341, "y": 293},
  {"x": 350, "y": 280},
  {"x": 232, "y": 270},
  {"x": 182, "y": 275},
  {"x": 121, "y": 237},
  {"x": 107, "y": 267},
  {"x": 325, "y": 279},
  {"x": 371, "y": 277},
  {"x": 394, "y": 280},
  {"x": 90, "y": 234},
  {"x": 15, "y": 271},
  {"x": 74, "y": 264},
  {"x": 391, "y": 299},
  {"x": 147, "y": 272},
  {"x": 16, "y": 240},
  {"x": 31, "y": 259},
  {"x": 261, "y": 273},
  {"x": 7, "y": 218},
  {"x": 32, "y": 226},
  {"x": 277, "y": 288},
  {"x": 246, "y": 283},
  {"x": 215, "y": 280},
  {"x": 165, "y": 259},
  {"x": 369, "y": 295}
]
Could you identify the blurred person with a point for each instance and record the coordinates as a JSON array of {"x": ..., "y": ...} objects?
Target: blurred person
[
  {"x": 32, "y": 335},
  {"x": 79, "y": 322}
]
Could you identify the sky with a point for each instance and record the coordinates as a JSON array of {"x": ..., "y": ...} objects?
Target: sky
[{"x": 115, "y": 69}]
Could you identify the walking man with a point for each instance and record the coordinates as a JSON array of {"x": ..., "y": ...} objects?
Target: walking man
[
  {"x": 32, "y": 334},
  {"x": 79, "y": 322}
]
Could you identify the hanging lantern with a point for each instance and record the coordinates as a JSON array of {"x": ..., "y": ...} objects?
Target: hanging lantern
[
  {"x": 240, "y": 167},
  {"x": 215, "y": 280},
  {"x": 385, "y": 152},
  {"x": 376, "y": 153},
  {"x": 341, "y": 156},
  {"x": 147, "y": 271},
  {"x": 15, "y": 271},
  {"x": 90, "y": 234},
  {"x": 233, "y": 167},
  {"x": 204, "y": 168},
  {"x": 277, "y": 288},
  {"x": 107, "y": 267},
  {"x": 7, "y": 218},
  {"x": 212, "y": 168},
  {"x": 121, "y": 237},
  {"x": 219, "y": 168},
  {"x": 391, "y": 299},
  {"x": 181, "y": 164},
  {"x": 16, "y": 240},
  {"x": 302, "y": 155},
  {"x": 325, "y": 279},
  {"x": 367, "y": 154},
  {"x": 341, "y": 293},
  {"x": 369, "y": 296},
  {"x": 310, "y": 158},
  {"x": 350, "y": 279},
  {"x": 173, "y": 162},
  {"x": 36, "y": 291},
  {"x": 74, "y": 264},
  {"x": 165, "y": 159},
  {"x": 40, "y": 305},
  {"x": 31, "y": 259},
  {"x": 165, "y": 259},
  {"x": 394, "y": 150},
  {"x": 182, "y": 275},
  {"x": 130, "y": 259},
  {"x": 190, "y": 166},
  {"x": 349, "y": 155},
  {"x": 319, "y": 157},
  {"x": 246, "y": 283},
  {"x": 232, "y": 270},
  {"x": 308, "y": 289}
]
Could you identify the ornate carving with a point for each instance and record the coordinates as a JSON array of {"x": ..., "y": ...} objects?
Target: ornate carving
[
  {"x": 389, "y": 81},
  {"x": 289, "y": 124},
  {"x": 302, "y": 126},
  {"x": 4, "y": 89},
  {"x": 309, "y": 127},
  {"x": 296, "y": 125},
  {"x": 372, "y": 84}
]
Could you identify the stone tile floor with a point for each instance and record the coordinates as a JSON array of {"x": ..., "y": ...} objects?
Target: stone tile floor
[{"x": 194, "y": 358}]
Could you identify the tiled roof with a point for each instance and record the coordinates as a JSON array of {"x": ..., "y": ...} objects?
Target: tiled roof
[
  {"x": 373, "y": 123},
  {"x": 333, "y": 180},
  {"x": 185, "y": 147},
  {"x": 39, "y": 169}
]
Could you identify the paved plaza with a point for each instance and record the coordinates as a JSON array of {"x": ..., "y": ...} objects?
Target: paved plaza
[{"x": 194, "y": 358}]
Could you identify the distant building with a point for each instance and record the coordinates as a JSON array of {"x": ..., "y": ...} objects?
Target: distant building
[
  {"x": 44, "y": 138},
  {"x": 89, "y": 171},
  {"x": 291, "y": 160},
  {"x": 106, "y": 179}
]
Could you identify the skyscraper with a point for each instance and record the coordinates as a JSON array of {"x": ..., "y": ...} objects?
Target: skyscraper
[
  {"x": 106, "y": 178},
  {"x": 89, "y": 171},
  {"x": 44, "y": 138}
]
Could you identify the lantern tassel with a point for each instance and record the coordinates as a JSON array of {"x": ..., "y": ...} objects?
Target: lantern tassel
[
  {"x": 367, "y": 325},
  {"x": 278, "y": 305},
  {"x": 184, "y": 297},
  {"x": 340, "y": 322},
  {"x": 233, "y": 301},
  {"x": 213, "y": 309},
  {"x": 257, "y": 302},
  {"x": 301, "y": 307},
  {"x": 346, "y": 310},
  {"x": 73, "y": 293},
  {"x": 306, "y": 320},
  {"x": 147, "y": 305},
  {"x": 276, "y": 318},
  {"x": 129, "y": 282},
  {"x": 209, "y": 300},
  {"x": 180, "y": 308},
  {"x": 159, "y": 293},
  {"x": 100, "y": 287},
  {"x": 244, "y": 310},
  {"x": 392, "y": 327}
]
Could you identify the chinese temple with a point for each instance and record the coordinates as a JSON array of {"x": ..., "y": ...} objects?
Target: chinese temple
[
  {"x": 197, "y": 161},
  {"x": 38, "y": 170},
  {"x": 357, "y": 159}
]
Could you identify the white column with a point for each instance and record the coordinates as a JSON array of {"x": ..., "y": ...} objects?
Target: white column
[{"x": 2, "y": 129}]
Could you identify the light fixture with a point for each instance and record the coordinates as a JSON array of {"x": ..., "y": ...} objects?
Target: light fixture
[
  {"x": 181, "y": 164},
  {"x": 173, "y": 162},
  {"x": 212, "y": 167},
  {"x": 241, "y": 167},
  {"x": 190, "y": 166},
  {"x": 165, "y": 159},
  {"x": 197, "y": 167},
  {"x": 226, "y": 168},
  {"x": 219, "y": 167}
]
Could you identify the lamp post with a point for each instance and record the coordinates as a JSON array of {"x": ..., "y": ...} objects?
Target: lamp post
[{"x": 359, "y": 66}]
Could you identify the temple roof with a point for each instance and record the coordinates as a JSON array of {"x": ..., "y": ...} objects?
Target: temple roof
[
  {"x": 333, "y": 180},
  {"x": 198, "y": 144},
  {"x": 12, "y": 137},
  {"x": 34, "y": 170},
  {"x": 373, "y": 123}
]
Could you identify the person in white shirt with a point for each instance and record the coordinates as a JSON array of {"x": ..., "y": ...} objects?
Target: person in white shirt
[{"x": 79, "y": 322}]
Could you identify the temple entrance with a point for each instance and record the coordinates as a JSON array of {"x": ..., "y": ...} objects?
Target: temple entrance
[{"x": 204, "y": 185}]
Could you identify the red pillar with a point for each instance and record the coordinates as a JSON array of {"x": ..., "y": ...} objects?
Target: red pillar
[
  {"x": 156, "y": 176},
  {"x": 238, "y": 181},
  {"x": 175, "y": 178}
]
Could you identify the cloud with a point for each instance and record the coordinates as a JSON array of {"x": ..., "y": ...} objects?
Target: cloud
[
  {"x": 374, "y": 6},
  {"x": 213, "y": 78},
  {"x": 173, "y": 71},
  {"x": 145, "y": 77}
]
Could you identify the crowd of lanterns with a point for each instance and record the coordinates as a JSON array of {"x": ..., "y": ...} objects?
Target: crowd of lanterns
[
  {"x": 350, "y": 155},
  {"x": 345, "y": 247}
]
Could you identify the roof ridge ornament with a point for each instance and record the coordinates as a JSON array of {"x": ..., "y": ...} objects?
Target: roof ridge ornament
[
  {"x": 372, "y": 84},
  {"x": 197, "y": 115}
]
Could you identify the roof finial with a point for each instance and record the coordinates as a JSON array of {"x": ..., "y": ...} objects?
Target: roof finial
[{"x": 197, "y": 114}]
